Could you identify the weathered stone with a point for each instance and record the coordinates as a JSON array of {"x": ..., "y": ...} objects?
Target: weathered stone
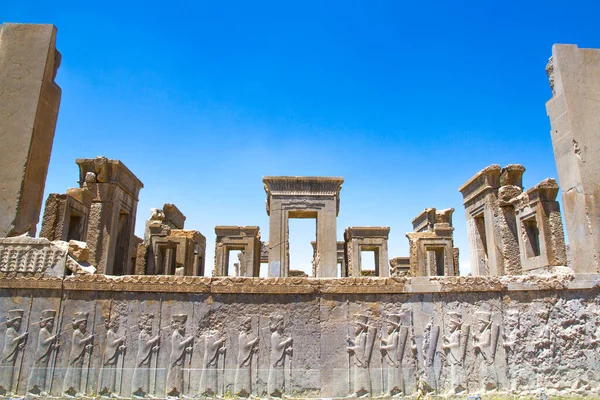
[
  {"x": 366, "y": 238},
  {"x": 66, "y": 215},
  {"x": 491, "y": 225},
  {"x": 29, "y": 102},
  {"x": 173, "y": 216},
  {"x": 341, "y": 258},
  {"x": 243, "y": 238},
  {"x": 539, "y": 227},
  {"x": 169, "y": 251},
  {"x": 79, "y": 251},
  {"x": 400, "y": 266},
  {"x": 302, "y": 197},
  {"x": 29, "y": 256},
  {"x": 574, "y": 112},
  {"x": 431, "y": 245},
  {"x": 112, "y": 213}
]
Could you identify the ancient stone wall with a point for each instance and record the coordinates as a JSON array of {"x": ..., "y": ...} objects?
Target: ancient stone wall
[{"x": 305, "y": 337}]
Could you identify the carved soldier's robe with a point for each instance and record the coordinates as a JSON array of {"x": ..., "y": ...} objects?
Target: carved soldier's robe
[
  {"x": 393, "y": 356},
  {"x": 176, "y": 362},
  {"x": 39, "y": 370},
  {"x": 209, "y": 379},
  {"x": 141, "y": 373},
  {"x": 361, "y": 366},
  {"x": 243, "y": 380},
  {"x": 108, "y": 373},
  {"x": 9, "y": 356},
  {"x": 75, "y": 365},
  {"x": 275, "y": 382}
]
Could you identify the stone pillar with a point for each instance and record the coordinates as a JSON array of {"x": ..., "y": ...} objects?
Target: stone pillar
[
  {"x": 574, "y": 112},
  {"x": 278, "y": 243},
  {"x": 112, "y": 213},
  {"x": 327, "y": 241},
  {"x": 29, "y": 102}
]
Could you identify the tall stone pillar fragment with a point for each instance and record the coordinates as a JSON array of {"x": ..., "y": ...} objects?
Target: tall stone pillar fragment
[
  {"x": 574, "y": 112},
  {"x": 29, "y": 101}
]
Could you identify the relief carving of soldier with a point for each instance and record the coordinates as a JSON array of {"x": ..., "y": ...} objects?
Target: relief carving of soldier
[
  {"x": 392, "y": 349},
  {"x": 361, "y": 349},
  {"x": 513, "y": 335},
  {"x": 180, "y": 347},
  {"x": 429, "y": 380},
  {"x": 280, "y": 348},
  {"x": 454, "y": 343},
  {"x": 13, "y": 342},
  {"x": 80, "y": 345},
  {"x": 247, "y": 346},
  {"x": 485, "y": 341},
  {"x": 46, "y": 345},
  {"x": 213, "y": 348},
  {"x": 147, "y": 346},
  {"x": 114, "y": 346}
]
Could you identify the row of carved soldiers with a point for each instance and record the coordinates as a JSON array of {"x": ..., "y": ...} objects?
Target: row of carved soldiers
[{"x": 76, "y": 382}]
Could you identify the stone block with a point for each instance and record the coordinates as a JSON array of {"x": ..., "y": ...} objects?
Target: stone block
[
  {"x": 29, "y": 102},
  {"x": 574, "y": 112}
]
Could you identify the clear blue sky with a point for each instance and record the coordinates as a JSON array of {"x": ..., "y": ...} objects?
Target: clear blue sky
[{"x": 405, "y": 100}]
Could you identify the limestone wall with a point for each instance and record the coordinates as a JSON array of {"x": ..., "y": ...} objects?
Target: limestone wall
[{"x": 536, "y": 332}]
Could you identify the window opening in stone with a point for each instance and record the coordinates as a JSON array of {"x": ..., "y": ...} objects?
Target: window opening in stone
[
  {"x": 440, "y": 261},
  {"x": 119, "y": 266},
  {"x": 233, "y": 263},
  {"x": 339, "y": 270},
  {"x": 368, "y": 263},
  {"x": 74, "y": 228},
  {"x": 532, "y": 237},
  {"x": 300, "y": 251},
  {"x": 480, "y": 225},
  {"x": 264, "y": 270}
]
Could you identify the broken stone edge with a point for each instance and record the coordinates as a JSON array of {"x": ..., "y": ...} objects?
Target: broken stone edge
[{"x": 300, "y": 285}]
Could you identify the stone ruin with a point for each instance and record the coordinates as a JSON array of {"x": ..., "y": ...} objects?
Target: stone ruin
[{"x": 90, "y": 310}]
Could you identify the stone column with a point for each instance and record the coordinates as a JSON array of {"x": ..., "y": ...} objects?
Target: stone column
[
  {"x": 29, "y": 102},
  {"x": 383, "y": 260},
  {"x": 278, "y": 242},
  {"x": 574, "y": 112},
  {"x": 327, "y": 242}
]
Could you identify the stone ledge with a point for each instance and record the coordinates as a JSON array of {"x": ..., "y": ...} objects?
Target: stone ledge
[{"x": 300, "y": 285}]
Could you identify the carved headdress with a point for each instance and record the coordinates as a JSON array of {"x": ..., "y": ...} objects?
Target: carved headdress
[
  {"x": 484, "y": 316},
  {"x": 455, "y": 317},
  {"x": 362, "y": 320},
  {"x": 81, "y": 316},
  {"x": 14, "y": 315},
  {"x": 180, "y": 318},
  {"x": 48, "y": 315},
  {"x": 395, "y": 319},
  {"x": 276, "y": 319},
  {"x": 247, "y": 322}
]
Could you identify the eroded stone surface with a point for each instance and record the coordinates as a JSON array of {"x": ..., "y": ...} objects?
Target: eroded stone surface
[
  {"x": 574, "y": 112},
  {"x": 29, "y": 102}
]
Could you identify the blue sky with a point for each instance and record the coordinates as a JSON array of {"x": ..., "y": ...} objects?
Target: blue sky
[{"x": 405, "y": 100}]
